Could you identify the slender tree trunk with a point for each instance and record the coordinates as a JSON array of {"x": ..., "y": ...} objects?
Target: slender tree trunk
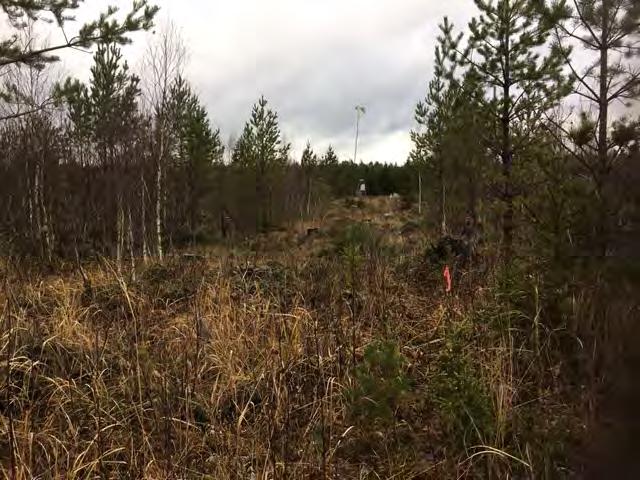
[
  {"x": 443, "y": 199},
  {"x": 36, "y": 206},
  {"x": 603, "y": 151},
  {"x": 473, "y": 198},
  {"x": 132, "y": 257},
  {"x": 507, "y": 154},
  {"x": 45, "y": 224},
  {"x": 419, "y": 193},
  {"x": 30, "y": 203},
  {"x": 143, "y": 220},
  {"x": 159, "y": 196},
  {"x": 308, "y": 195},
  {"x": 119, "y": 233},
  {"x": 193, "y": 206}
]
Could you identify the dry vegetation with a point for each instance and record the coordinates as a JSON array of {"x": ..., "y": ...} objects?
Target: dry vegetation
[{"x": 339, "y": 357}]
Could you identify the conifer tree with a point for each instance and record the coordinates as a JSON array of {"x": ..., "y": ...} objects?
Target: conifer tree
[
  {"x": 329, "y": 159},
  {"x": 261, "y": 149},
  {"x": 309, "y": 163},
  {"x": 198, "y": 150},
  {"x": 510, "y": 55},
  {"x": 104, "y": 108},
  {"x": 328, "y": 167},
  {"x": 103, "y": 114},
  {"x": 609, "y": 30},
  {"x": 243, "y": 153},
  {"x": 105, "y": 29},
  {"x": 26, "y": 52},
  {"x": 432, "y": 115}
]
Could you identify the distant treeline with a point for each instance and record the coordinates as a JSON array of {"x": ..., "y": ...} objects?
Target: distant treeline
[
  {"x": 127, "y": 172},
  {"x": 130, "y": 165}
]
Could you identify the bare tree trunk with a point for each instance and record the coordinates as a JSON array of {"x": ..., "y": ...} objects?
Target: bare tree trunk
[
  {"x": 130, "y": 245},
  {"x": 419, "y": 193},
  {"x": 45, "y": 224},
  {"x": 159, "y": 196},
  {"x": 443, "y": 199},
  {"x": 36, "y": 206},
  {"x": 30, "y": 203},
  {"x": 143, "y": 220},
  {"x": 119, "y": 234},
  {"x": 308, "y": 197}
]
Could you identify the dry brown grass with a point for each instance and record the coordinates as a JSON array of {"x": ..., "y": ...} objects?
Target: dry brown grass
[{"x": 245, "y": 366}]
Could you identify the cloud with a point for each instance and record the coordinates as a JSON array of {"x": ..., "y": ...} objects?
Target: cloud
[{"x": 314, "y": 60}]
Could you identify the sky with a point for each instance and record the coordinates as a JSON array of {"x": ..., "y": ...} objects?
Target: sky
[{"x": 314, "y": 61}]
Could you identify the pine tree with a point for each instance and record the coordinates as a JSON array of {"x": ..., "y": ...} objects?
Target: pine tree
[
  {"x": 198, "y": 150},
  {"x": 261, "y": 149},
  {"x": 243, "y": 153},
  {"x": 609, "y": 30},
  {"x": 103, "y": 114},
  {"x": 329, "y": 159},
  {"x": 328, "y": 168},
  {"x": 309, "y": 163},
  {"x": 309, "y": 159},
  {"x": 466, "y": 143},
  {"x": 432, "y": 115},
  {"x": 105, "y": 107},
  {"x": 509, "y": 54},
  {"x": 106, "y": 29}
]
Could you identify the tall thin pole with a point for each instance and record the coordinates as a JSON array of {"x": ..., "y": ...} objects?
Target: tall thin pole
[{"x": 359, "y": 112}]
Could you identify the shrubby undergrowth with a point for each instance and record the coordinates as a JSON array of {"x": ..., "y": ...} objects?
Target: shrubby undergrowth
[{"x": 320, "y": 363}]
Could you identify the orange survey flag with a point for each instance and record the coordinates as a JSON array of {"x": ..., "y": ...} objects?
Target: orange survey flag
[{"x": 447, "y": 277}]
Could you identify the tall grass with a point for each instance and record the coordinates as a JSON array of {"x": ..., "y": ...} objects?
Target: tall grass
[{"x": 348, "y": 364}]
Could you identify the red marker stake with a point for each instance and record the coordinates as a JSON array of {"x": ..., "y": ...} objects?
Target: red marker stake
[{"x": 447, "y": 278}]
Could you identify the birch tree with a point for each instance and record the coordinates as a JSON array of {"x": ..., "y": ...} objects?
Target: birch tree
[{"x": 164, "y": 62}]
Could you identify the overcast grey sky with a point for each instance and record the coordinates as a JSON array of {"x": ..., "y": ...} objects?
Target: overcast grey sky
[{"x": 314, "y": 60}]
